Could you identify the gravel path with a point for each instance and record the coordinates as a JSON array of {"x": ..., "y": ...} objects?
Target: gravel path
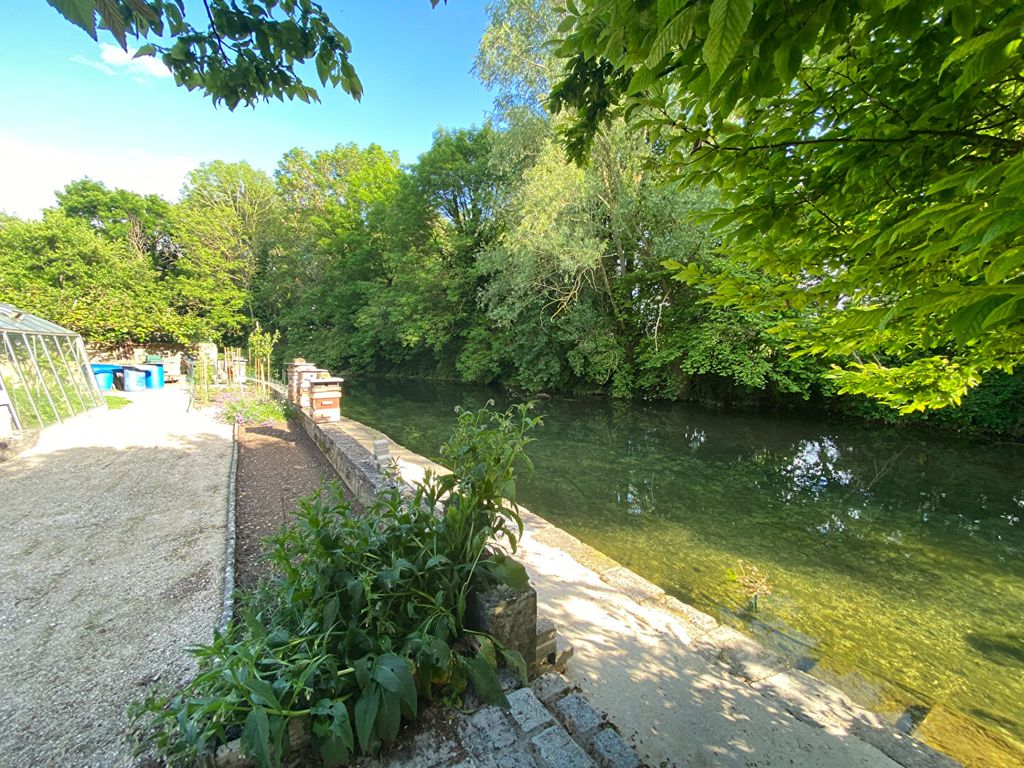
[{"x": 111, "y": 563}]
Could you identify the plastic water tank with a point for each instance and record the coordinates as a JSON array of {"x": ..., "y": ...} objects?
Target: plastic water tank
[
  {"x": 154, "y": 375},
  {"x": 134, "y": 379},
  {"x": 104, "y": 374}
]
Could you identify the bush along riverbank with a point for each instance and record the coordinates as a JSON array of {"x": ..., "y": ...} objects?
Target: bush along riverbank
[{"x": 364, "y": 617}]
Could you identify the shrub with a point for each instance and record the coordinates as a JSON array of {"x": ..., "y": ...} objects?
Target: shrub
[
  {"x": 364, "y": 617},
  {"x": 245, "y": 409}
]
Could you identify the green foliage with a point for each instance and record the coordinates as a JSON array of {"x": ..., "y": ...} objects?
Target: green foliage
[
  {"x": 115, "y": 402},
  {"x": 869, "y": 157},
  {"x": 364, "y": 617},
  {"x": 514, "y": 57},
  {"x": 782, "y": 202},
  {"x": 228, "y": 220},
  {"x": 242, "y": 53},
  {"x": 60, "y": 268},
  {"x": 261, "y": 348},
  {"x": 143, "y": 222},
  {"x": 250, "y": 409}
]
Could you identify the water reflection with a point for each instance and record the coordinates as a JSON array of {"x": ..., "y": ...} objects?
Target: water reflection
[{"x": 892, "y": 554}]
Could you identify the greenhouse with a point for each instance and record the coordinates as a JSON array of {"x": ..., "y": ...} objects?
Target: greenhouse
[{"x": 44, "y": 373}]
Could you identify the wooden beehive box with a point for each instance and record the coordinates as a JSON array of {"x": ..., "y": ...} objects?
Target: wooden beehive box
[
  {"x": 306, "y": 375},
  {"x": 324, "y": 395}
]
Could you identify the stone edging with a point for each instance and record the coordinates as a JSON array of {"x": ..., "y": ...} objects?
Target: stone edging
[
  {"x": 229, "y": 549},
  {"x": 767, "y": 673},
  {"x": 358, "y": 469}
]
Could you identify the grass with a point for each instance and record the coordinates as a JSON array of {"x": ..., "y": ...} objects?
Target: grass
[{"x": 116, "y": 401}]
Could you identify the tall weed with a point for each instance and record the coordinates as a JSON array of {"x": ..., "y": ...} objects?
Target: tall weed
[{"x": 364, "y": 617}]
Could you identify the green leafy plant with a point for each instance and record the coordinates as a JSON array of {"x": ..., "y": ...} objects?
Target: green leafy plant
[
  {"x": 364, "y": 617},
  {"x": 261, "y": 347},
  {"x": 246, "y": 409}
]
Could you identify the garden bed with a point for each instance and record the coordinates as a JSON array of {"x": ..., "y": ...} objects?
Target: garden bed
[{"x": 277, "y": 465}]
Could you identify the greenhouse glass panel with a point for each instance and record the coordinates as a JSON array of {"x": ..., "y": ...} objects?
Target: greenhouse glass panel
[
  {"x": 45, "y": 375},
  {"x": 65, "y": 353},
  {"x": 33, "y": 380},
  {"x": 22, "y": 411},
  {"x": 65, "y": 376}
]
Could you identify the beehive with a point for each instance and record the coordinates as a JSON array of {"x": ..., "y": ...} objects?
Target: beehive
[
  {"x": 294, "y": 383},
  {"x": 304, "y": 376},
  {"x": 324, "y": 395}
]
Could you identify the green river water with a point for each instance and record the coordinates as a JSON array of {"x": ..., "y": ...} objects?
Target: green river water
[{"x": 895, "y": 557}]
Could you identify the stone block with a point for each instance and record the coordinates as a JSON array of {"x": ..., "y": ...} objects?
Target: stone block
[
  {"x": 556, "y": 749},
  {"x": 429, "y": 749},
  {"x": 493, "y": 728},
  {"x": 510, "y": 617},
  {"x": 545, "y": 629},
  {"x": 636, "y": 587},
  {"x": 546, "y": 641},
  {"x": 744, "y": 656},
  {"x": 550, "y": 687},
  {"x": 546, "y": 652},
  {"x": 508, "y": 679},
  {"x": 582, "y": 553},
  {"x": 612, "y": 751},
  {"x": 563, "y": 652},
  {"x": 579, "y": 716},
  {"x": 516, "y": 758},
  {"x": 528, "y": 711},
  {"x": 809, "y": 699}
]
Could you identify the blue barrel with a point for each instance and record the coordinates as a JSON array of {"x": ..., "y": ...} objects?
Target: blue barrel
[
  {"x": 154, "y": 375},
  {"x": 104, "y": 374},
  {"x": 134, "y": 379}
]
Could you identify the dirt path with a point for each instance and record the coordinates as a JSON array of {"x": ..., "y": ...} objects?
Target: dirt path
[
  {"x": 111, "y": 564},
  {"x": 277, "y": 465}
]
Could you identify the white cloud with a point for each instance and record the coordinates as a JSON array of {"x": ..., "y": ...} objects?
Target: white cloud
[
  {"x": 144, "y": 65},
  {"x": 80, "y": 59},
  {"x": 114, "y": 60},
  {"x": 31, "y": 172}
]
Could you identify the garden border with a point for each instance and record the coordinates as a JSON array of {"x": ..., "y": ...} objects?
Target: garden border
[{"x": 229, "y": 554}]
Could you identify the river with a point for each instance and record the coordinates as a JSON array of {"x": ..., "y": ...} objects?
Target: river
[{"x": 895, "y": 558}]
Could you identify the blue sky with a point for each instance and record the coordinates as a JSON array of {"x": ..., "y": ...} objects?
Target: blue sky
[{"x": 74, "y": 107}]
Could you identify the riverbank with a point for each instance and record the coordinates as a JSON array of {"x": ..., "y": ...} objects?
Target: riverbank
[
  {"x": 686, "y": 690},
  {"x": 894, "y": 558}
]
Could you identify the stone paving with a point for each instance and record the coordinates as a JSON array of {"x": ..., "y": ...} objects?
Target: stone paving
[{"x": 547, "y": 725}]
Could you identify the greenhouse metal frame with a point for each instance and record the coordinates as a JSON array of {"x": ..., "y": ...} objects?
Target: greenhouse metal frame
[{"x": 45, "y": 376}]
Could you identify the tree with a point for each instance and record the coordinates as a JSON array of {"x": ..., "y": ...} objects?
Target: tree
[
  {"x": 228, "y": 222},
  {"x": 870, "y": 158},
  {"x": 456, "y": 178},
  {"x": 515, "y": 55},
  {"x": 142, "y": 221},
  {"x": 241, "y": 53},
  {"x": 62, "y": 269},
  {"x": 335, "y": 201}
]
